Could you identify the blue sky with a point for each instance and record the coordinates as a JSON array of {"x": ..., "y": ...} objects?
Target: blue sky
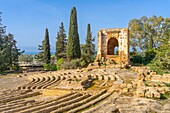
[{"x": 27, "y": 19}]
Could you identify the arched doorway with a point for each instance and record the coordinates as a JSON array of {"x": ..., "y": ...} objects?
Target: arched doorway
[{"x": 112, "y": 47}]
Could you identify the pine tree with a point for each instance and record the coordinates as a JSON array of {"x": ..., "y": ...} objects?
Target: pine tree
[
  {"x": 73, "y": 48},
  {"x": 61, "y": 42},
  {"x": 9, "y": 52},
  {"x": 40, "y": 55},
  {"x": 46, "y": 47}
]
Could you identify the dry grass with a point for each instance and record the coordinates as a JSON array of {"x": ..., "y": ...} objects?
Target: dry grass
[{"x": 55, "y": 92}]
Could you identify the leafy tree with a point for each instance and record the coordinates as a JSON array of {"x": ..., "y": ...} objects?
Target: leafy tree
[
  {"x": 46, "y": 47},
  {"x": 26, "y": 58},
  {"x": 9, "y": 53},
  {"x": 162, "y": 59},
  {"x": 61, "y": 42},
  {"x": 73, "y": 47},
  {"x": 146, "y": 33}
]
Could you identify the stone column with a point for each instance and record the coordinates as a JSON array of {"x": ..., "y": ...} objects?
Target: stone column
[{"x": 99, "y": 51}]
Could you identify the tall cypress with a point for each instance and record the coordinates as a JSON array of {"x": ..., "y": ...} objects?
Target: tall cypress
[
  {"x": 89, "y": 47},
  {"x": 73, "y": 47},
  {"x": 46, "y": 47},
  {"x": 89, "y": 42}
]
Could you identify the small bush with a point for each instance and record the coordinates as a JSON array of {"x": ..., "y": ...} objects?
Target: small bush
[
  {"x": 66, "y": 65},
  {"x": 59, "y": 63},
  {"x": 50, "y": 67},
  {"x": 73, "y": 64},
  {"x": 165, "y": 95},
  {"x": 112, "y": 62},
  {"x": 136, "y": 59},
  {"x": 83, "y": 63}
]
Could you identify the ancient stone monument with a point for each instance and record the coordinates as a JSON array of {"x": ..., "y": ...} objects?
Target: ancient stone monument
[{"x": 113, "y": 44}]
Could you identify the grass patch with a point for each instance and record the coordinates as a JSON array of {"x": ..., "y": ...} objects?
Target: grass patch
[
  {"x": 146, "y": 84},
  {"x": 166, "y": 95},
  {"x": 167, "y": 84}
]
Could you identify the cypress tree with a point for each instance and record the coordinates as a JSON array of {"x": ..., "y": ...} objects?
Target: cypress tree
[
  {"x": 89, "y": 42},
  {"x": 61, "y": 42},
  {"x": 46, "y": 47},
  {"x": 88, "y": 50},
  {"x": 73, "y": 48}
]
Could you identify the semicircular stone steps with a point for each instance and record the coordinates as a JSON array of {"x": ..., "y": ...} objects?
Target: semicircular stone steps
[
  {"x": 72, "y": 103},
  {"x": 40, "y": 78},
  {"x": 53, "y": 81},
  {"x": 34, "y": 80},
  {"x": 49, "y": 80},
  {"x": 33, "y": 104},
  {"x": 51, "y": 103},
  {"x": 37, "y": 86},
  {"x": 74, "y": 107},
  {"x": 38, "y": 81}
]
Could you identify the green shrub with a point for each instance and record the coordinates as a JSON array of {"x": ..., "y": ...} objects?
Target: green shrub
[
  {"x": 73, "y": 64},
  {"x": 87, "y": 58},
  {"x": 112, "y": 62},
  {"x": 165, "y": 95},
  {"x": 83, "y": 63},
  {"x": 59, "y": 62},
  {"x": 15, "y": 68},
  {"x": 136, "y": 59},
  {"x": 149, "y": 56},
  {"x": 50, "y": 67},
  {"x": 66, "y": 65}
]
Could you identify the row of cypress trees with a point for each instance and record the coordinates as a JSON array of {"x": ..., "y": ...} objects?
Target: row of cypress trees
[{"x": 70, "y": 48}]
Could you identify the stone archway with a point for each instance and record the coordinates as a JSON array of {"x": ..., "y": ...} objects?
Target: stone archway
[{"x": 112, "y": 44}]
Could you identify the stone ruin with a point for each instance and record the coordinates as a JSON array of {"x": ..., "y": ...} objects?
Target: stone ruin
[{"x": 113, "y": 44}]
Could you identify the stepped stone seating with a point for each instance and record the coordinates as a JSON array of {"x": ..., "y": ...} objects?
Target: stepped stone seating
[
  {"x": 74, "y": 83},
  {"x": 51, "y": 103},
  {"x": 12, "y": 98},
  {"x": 56, "y": 80},
  {"x": 111, "y": 77},
  {"x": 29, "y": 105},
  {"x": 91, "y": 103},
  {"x": 48, "y": 80},
  {"x": 63, "y": 104},
  {"x": 41, "y": 81},
  {"x": 32, "y": 104},
  {"x": 12, "y": 93},
  {"x": 38, "y": 86},
  {"x": 80, "y": 105},
  {"x": 8, "y": 107},
  {"x": 37, "y": 79}
]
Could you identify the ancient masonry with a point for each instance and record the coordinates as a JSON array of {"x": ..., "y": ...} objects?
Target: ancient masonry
[{"x": 113, "y": 44}]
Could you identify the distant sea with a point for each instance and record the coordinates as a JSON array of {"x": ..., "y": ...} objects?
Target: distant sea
[
  {"x": 30, "y": 53},
  {"x": 33, "y": 53}
]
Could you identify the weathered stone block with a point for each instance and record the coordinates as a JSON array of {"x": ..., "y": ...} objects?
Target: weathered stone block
[
  {"x": 153, "y": 73},
  {"x": 140, "y": 93},
  {"x": 129, "y": 86}
]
